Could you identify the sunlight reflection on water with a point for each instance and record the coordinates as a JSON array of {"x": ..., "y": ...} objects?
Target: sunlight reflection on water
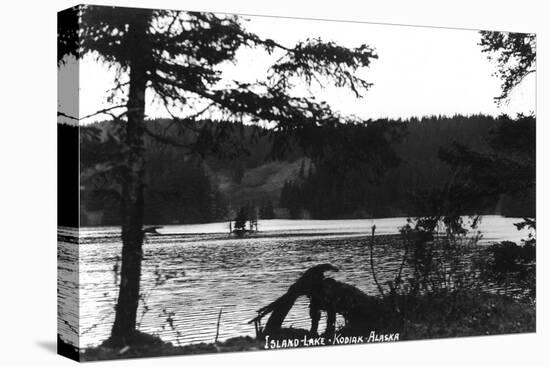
[{"x": 239, "y": 275}]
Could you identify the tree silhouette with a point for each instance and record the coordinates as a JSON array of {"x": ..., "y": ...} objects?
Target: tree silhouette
[
  {"x": 515, "y": 55},
  {"x": 514, "y": 143},
  {"x": 508, "y": 168},
  {"x": 241, "y": 219},
  {"x": 173, "y": 57}
]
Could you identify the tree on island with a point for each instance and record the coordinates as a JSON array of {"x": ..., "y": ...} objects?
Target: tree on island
[
  {"x": 253, "y": 217},
  {"x": 241, "y": 219},
  {"x": 174, "y": 57}
]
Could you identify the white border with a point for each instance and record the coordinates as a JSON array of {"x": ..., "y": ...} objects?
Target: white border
[{"x": 29, "y": 181}]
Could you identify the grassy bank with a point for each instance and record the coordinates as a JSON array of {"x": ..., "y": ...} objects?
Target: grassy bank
[
  {"x": 426, "y": 317},
  {"x": 158, "y": 348},
  {"x": 467, "y": 314}
]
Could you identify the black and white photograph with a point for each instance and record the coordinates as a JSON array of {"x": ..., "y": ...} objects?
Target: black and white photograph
[{"x": 233, "y": 183}]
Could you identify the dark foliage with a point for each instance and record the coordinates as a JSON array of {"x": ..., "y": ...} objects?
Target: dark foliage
[
  {"x": 439, "y": 168},
  {"x": 508, "y": 257},
  {"x": 507, "y": 167},
  {"x": 416, "y": 186},
  {"x": 512, "y": 267},
  {"x": 241, "y": 219},
  {"x": 174, "y": 55},
  {"x": 267, "y": 211},
  {"x": 515, "y": 55},
  {"x": 67, "y": 34}
]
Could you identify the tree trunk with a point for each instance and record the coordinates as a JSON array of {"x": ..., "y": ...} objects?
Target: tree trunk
[{"x": 124, "y": 327}]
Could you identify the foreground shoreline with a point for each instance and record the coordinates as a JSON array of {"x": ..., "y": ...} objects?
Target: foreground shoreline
[{"x": 475, "y": 314}]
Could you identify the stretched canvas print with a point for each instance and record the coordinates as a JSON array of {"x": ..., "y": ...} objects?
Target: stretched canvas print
[{"x": 237, "y": 183}]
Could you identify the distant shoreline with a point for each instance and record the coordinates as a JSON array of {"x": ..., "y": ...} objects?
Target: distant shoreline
[
  {"x": 493, "y": 228},
  {"x": 258, "y": 235}
]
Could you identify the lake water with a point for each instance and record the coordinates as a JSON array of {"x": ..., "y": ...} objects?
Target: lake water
[{"x": 214, "y": 271}]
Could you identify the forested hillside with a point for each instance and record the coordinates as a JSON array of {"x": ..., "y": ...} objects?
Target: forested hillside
[
  {"x": 404, "y": 189},
  {"x": 213, "y": 185}
]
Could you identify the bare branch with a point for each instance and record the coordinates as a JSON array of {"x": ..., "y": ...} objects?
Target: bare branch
[
  {"x": 67, "y": 116},
  {"x": 104, "y": 111}
]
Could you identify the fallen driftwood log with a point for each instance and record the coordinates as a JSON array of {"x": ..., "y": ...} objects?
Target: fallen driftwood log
[{"x": 359, "y": 310}]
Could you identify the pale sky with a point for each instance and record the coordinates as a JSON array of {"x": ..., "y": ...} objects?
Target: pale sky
[{"x": 420, "y": 71}]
